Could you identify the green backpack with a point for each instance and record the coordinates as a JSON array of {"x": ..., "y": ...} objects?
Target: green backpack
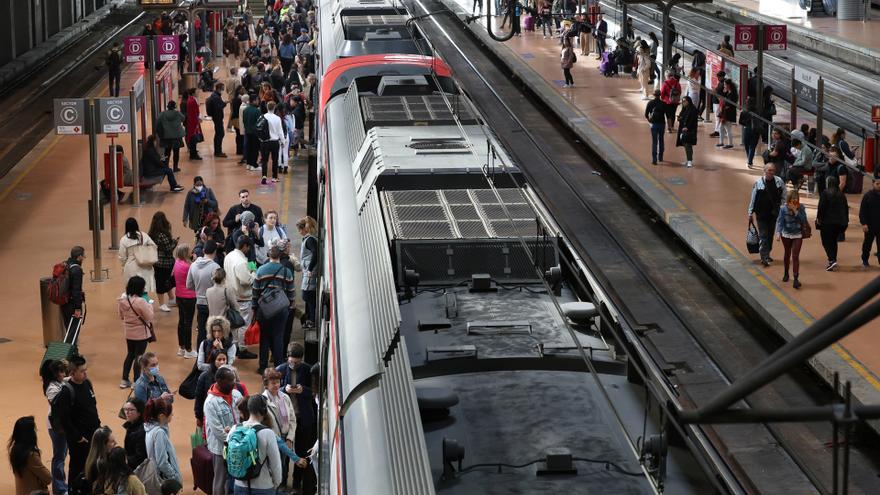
[{"x": 242, "y": 453}]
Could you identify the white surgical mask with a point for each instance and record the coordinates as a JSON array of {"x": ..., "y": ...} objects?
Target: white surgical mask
[{"x": 199, "y": 188}]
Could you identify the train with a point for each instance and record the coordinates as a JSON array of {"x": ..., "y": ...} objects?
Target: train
[{"x": 461, "y": 338}]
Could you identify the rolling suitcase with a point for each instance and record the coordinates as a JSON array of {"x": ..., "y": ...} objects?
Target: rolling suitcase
[
  {"x": 529, "y": 23},
  {"x": 203, "y": 469},
  {"x": 67, "y": 348}
]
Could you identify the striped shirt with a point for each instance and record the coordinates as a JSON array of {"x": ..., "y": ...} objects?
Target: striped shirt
[{"x": 274, "y": 274}]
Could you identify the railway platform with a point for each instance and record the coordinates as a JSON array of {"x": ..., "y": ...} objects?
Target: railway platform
[
  {"x": 705, "y": 206},
  {"x": 45, "y": 197}
]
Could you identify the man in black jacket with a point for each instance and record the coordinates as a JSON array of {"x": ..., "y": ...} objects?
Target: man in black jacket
[
  {"x": 601, "y": 33},
  {"x": 214, "y": 106},
  {"x": 232, "y": 220},
  {"x": 655, "y": 113},
  {"x": 869, "y": 217},
  {"x": 78, "y": 414},
  {"x": 76, "y": 296},
  {"x": 296, "y": 381}
]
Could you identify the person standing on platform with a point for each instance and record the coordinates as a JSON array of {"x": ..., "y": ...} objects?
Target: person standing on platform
[
  {"x": 157, "y": 417},
  {"x": 214, "y": 106},
  {"x": 308, "y": 255},
  {"x": 194, "y": 134},
  {"x": 585, "y": 38},
  {"x": 199, "y": 204},
  {"x": 869, "y": 218},
  {"x": 654, "y": 46},
  {"x": 232, "y": 220},
  {"x": 200, "y": 279},
  {"x": 789, "y": 227},
  {"x": 54, "y": 372},
  {"x": 240, "y": 280},
  {"x": 272, "y": 276},
  {"x": 750, "y": 128},
  {"x": 24, "y": 456},
  {"x": 137, "y": 315},
  {"x": 78, "y": 415},
  {"x": 717, "y": 90},
  {"x": 670, "y": 93},
  {"x": 296, "y": 381},
  {"x": 568, "y": 58},
  {"x": 601, "y": 33},
  {"x": 160, "y": 232},
  {"x": 832, "y": 218},
  {"x": 151, "y": 385},
  {"x": 764, "y": 209},
  {"x": 221, "y": 415},
  {"x": 114, "y": 68},
  {"x": 134, "y": 237},
  {"x": 687, "y": 130},
  {"x": 186, "y": 301},
  {"x": 725, "y": 47},
  {"x": 643, "y": 56},
  {"x": 171, "y": 132},
  {"x": 727, "y": 113},
  {"x": 135, "y": 442},
  {"x": 271, "y": 147},
  {"x": 655, "y": 114},
  {"x": 243, "y": 35},
  {"x": 75, "y": 295},
  {"x": 250, "y": 115}
]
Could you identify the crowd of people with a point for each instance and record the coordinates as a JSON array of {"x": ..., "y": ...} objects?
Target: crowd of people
[{"x": 232, "y": 272}]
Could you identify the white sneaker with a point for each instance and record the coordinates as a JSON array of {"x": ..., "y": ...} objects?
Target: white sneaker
[
  {"x": 190, "y": 355},
  {"x": 165, "y": 308},
  {"x": 125, "y": 384},
  {"x": 181, "y": 351},
  {"x": 172, "y": 303},
  {"x": 689, "y": 164}
]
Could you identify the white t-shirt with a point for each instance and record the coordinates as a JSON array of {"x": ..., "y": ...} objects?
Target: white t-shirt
[{"x": 275, "y": 128}]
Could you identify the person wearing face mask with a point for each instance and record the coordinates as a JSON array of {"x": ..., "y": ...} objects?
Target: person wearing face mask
[
  {"x": 151, "y": 385},
  {"x": 200, "y": 202},
  {"x": 790, "y": 228},
  {"x": 296, "y": 381},
  {"x": 221, "y": 415},
  {"x": 271, "y": 234},
  {"x": 157, "y": 417}
]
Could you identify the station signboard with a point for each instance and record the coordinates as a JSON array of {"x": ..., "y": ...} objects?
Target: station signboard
[
  {"x": 70, "y": 116},
  {"x": 806, "y": 85},
  {"x": 776, "y": 37},
  {"x": 168, "y": 48},
  {"x": 134, "y": 48},
  {"x": 745, "y": 37},
  {"x": 113, "y": 116}
]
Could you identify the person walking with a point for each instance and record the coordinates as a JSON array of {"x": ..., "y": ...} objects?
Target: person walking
[
  {"x": 790, "y": 225},
  {"x": 171, "y": 131},
  {"x": 655, "y": 114},
  {"x": 832, "y": 218},
  {"x": 114, "y": 68},
  {"x": 136, "y": 313},
  {"x": 186, "y": 301},
  {"x": 272, "y": 276},
  {"x": 160, "y": 232},
  {"x": 73, "y": 308},
  {"x": 751, "y": 129},
  {"x": 157, "y": 417},
  {"x": 135, "y": 436},
  {"x": 24, "y": 456},
  {"x": 250, "y": 115},
  {"x": 132, "y": 246},
  {"x": 567, "y": 60},
  {"x": 78, "y": 415},
  {"x": 727, "y": 113},
  {"x": 764, "y": 207},
  {"x": 151, "y": 385},
  {"x": 716, "y": 102},
  {"x": 670, "y": 94},
  {"x": 53, "y": 373},
  {"x": 643, "y": 55},
  {"x": 221, "y": 415},
  {"x": 687, "y": 130},
  {"x": 194, "y": 134},
  {"x": 869, "y": 219},
  {"x": 214, "y": 106},
  {"x": 200, "y": 279},
  {"x": 199, "y": 203}
]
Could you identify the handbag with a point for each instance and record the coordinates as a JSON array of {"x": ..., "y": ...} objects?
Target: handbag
[
  {"x": 753, "y": 241},
  {"x": 187, "y": 388},
  {"x": 234, "y": 316},
  {"x": 252, "y": 334},
  {"x": 766, "y": 156},
  {"x": 273, "y": 300},
  {"x": 151, "y": 334},
  {"x": 198, "y": 137},
  {"x": 806, "y": 230},
  {"x": 145, "y": 255},
  {"x": 149, "y": 476}
]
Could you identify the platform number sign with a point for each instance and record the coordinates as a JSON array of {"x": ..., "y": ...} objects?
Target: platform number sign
[
  {"x": 745, "y": 37},
  {"x": 168, "y": 48},
  {"x": 776, "y": 37},
  {"x": 135, "y": 48},
  {"x": 113, "y": 115},
  {"x": 70, "y": 116}
]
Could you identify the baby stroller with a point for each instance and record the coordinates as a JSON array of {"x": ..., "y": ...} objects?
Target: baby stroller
[{"x": 607, "y": 66}]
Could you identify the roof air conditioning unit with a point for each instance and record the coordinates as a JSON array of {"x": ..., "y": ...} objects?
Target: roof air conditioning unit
[{"x": 403, "y": 85}]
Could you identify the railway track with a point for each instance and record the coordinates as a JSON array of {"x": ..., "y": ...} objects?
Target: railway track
[
  {"x": 28, "y": 105},
  {"x": 696, "y": 334}
]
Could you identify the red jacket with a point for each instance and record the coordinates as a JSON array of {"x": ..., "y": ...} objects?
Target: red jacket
[
  {"x": 666, "y": 91},
  {"x": 193, "y": 123}
]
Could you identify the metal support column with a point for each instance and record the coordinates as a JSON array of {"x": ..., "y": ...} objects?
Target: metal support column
[
  {"x": 135, "y": 153},
  {"x": 114, "y": 196},
  {"x": 759, "y": 72},
  {"x": 820, "y": 113},
  {"x": 154, "y": 97},
  {"x": 96, "y": 192},
  {"x": 794, "y": 99}
]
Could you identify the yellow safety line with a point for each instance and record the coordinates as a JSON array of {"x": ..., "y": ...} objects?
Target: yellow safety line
[
  {"x": 286, "y": 191},
  {"x": 24, "y": 173}
]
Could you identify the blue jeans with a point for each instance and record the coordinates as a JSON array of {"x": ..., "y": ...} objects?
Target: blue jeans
[
  {"x": 243, "y": 490},
  {"x": 657, "y": 144},
  {"x": 750, "y": 142},
  {"x": 59, "y": 455}
]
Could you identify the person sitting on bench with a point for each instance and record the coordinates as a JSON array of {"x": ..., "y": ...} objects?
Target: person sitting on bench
[{"x": 154, "y": 167}]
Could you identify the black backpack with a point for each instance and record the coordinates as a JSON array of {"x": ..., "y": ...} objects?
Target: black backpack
[{"x": 263, "y": 129}]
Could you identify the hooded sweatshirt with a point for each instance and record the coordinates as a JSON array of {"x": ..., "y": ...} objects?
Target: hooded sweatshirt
[
  {"x": 161, "y": 451},
  {"x": 199, "y": 278}
]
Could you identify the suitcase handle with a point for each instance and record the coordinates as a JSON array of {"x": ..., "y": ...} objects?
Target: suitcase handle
[{"x": 70, "y": 327}]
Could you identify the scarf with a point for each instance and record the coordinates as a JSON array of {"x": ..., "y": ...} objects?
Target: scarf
[{"x": 216, "y": 391}]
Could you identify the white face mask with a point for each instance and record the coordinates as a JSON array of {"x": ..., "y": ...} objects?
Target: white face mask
[{"x": 200, "y": 188}]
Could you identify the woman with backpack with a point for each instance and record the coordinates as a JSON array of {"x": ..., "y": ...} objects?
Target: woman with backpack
[
  {"x": 169, "y": 127},
  {"x": 53, "y": 372},
  {"x": 157, "y": 417},
  {"x": 267, "y": 454},
  {"x": 27, "y": 466},
  {"x": 160, "y": 232},
  {"x": 116, "y": 476},
  {"x": 670, "y": 94},
  {"x": 138, "y": 254}
]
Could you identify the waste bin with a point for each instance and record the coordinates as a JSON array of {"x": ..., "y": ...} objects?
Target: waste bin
[
  {"x": 190, "y": 80},
  {"x": 53, "y": 326}
]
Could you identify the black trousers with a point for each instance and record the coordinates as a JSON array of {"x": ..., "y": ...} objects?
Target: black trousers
[
  {"x": 304, "y": 478},
  {"x": 239, "y": 142},
  {"x": 201, "y": 324},
  {"x": 219, "y": 132},
  {"x": 270, "y": 148},
  {"x": 568, "y": 78},
  {"x": 115, "y": 78},
  {"x": 78, "y": 454},
  {"x": 829, "y": 235},
  {"x": 871, "y": 237},
  {"x": 174, "y": 152},
  {"x": 186, "y": 309},
  {"x": 134, "y": 350},
  {"x": 271, "y": 339},
  {"x": 252, "y": 149}
]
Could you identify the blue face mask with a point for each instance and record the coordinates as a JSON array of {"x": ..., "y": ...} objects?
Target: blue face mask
[{"x": 154, "y": 370}]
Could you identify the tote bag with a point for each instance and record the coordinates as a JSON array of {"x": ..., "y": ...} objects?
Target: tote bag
[{"x": 145, "y": 255}]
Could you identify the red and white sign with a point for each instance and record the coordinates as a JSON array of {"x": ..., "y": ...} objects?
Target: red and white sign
[
  {"x": 168, "y": 48},
  {"x": 875, "y": 114},
  {"x": 776, "y": 37},
  {"x": 745, "y": 37},
  {"x": 134, "y": 48}
]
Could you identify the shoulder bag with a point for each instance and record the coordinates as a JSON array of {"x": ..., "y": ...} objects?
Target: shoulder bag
[
  {"x": 273, "y": 300},
  {"x": 232, "y": 314},
  {"x": 151, "y": 334},
  {"x": 145, "y": 255},
  {"x": 149, "y": 476}
]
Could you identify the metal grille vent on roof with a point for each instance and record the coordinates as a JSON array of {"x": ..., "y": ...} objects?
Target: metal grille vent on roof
[
  {"x": 408, "y": 110},
  {"x": 375, "y": 20}
]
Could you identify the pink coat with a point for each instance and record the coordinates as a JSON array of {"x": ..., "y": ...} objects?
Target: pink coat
[
  {"x": 132, "y": 326},
  {"x": 181, "y": 268}
]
